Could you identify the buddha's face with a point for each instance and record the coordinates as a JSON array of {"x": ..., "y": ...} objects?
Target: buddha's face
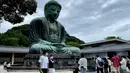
[{"x": 53, "y": 11}]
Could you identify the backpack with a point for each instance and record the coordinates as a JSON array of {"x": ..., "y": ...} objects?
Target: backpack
[
  {"x": 105, "y": 61},
  {"x": 127, "y": 62},
  {"x": 100, "y": 63}
]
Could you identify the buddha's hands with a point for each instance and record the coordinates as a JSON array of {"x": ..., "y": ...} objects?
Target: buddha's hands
[
  {"x": 44, "y": 42},
  {"x": 53, "y": 44},
  {"x": 58, "y": 44},
  {"x": 63, "y": 43}
]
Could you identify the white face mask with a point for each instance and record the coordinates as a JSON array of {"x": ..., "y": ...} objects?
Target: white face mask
[{"x": 51, "y": 57}]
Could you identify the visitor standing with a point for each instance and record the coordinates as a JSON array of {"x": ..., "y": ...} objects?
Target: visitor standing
[
  {"x": 82, "y": 64},
  {"x": 8, "y": 66},
  {"x": 5, "y": 64},
  {"x": 76, "y": 69},
  {"x": 109, "y": 64},
  {"x": 128, "y": 64},
  {"x": 99, "y": 64},
  {"x": 115, "y": 63},
  {"x": 123, "y": 64},
  {"x": 44, "y": 62},
  {"x": 105, "y": 65},
  {"x": 51, "y": 64}
]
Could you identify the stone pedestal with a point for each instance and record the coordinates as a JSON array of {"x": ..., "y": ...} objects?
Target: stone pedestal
[
  {"x": 62, "y": 61},
  {"x": 31, "y": 60}
]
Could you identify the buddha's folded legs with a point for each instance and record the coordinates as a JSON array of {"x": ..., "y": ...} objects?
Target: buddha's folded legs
[
  {"x": 70, "y": 49},
  {"x": 39, "y": 48}
]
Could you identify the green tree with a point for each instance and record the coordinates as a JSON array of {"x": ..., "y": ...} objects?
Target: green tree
[
  {"x": 11, "y": 41},
  {"x": 112, "y": 37},
  {"x": 2, "y": 38},
  {"x": 23, "y": 40},
  {"x": 73, "y": 39},
  {"x": 14, "y": 10},
  {"x": 73, "y": 44}
]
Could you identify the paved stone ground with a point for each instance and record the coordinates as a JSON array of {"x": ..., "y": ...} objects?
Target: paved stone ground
[{"x": 34, "y": 71}]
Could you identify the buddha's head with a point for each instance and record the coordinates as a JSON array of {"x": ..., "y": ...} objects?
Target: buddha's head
[{"x": 52, "y": 9}]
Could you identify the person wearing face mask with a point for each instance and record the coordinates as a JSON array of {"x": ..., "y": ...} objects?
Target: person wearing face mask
[{"x": 51, "y": 64}]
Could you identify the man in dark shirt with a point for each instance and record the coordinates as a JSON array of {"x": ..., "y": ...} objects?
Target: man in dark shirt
[{"x": 51, "y": 64}]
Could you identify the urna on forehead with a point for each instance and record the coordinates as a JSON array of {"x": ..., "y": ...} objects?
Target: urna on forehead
[{"x": 52, "y": 2}]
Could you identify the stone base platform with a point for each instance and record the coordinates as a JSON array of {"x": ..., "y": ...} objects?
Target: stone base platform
[{"x": 62, "y": 61}]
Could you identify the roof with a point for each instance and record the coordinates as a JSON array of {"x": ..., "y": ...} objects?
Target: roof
[
  {"x": 106, "y": 41},
  {"x": 12, "y": 49},
  {"x": 120, "y": 47}
]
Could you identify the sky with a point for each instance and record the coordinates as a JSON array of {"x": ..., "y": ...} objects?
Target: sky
[{"x": 88, "y": 20}]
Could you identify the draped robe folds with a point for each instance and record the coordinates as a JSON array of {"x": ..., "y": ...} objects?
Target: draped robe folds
[{"x": 39, "y": 30}]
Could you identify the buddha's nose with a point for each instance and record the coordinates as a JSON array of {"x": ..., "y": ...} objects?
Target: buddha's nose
[{"x": 55, "y": 12}]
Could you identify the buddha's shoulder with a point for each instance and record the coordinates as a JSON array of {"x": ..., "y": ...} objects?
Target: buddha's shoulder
[
  {"x": 39, "y": 19},
  {"x": 60, "y": 24}
]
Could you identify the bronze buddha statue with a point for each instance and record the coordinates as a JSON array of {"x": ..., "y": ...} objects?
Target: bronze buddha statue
[{"x": 46, "y": 33}]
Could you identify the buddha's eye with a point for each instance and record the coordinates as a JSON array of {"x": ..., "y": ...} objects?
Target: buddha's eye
[
  {"x": 58, "y": 11},
  {"x": 53, "y": 9}
]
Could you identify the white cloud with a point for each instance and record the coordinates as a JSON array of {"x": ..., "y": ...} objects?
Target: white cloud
[
  {"x": 89, "y": 20},
  {"x": 5, "y": 26},
  {"x": 118, "y": 25},
  {"x": 69, "y": 3},
  {"x": 95, "y": 17},
  {"x": 64, "y": 14},
  {"x": 108, "y": 3},
  {"x": 78, "y": 2}
]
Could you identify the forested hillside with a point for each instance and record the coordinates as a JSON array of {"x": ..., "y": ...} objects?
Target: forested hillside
[{"x": 18, "y": 36}]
